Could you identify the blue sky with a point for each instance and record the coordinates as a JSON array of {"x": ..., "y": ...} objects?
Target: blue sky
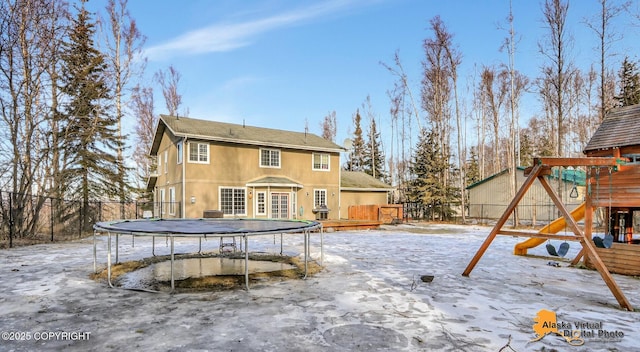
[{"x": 279, "y": 63}]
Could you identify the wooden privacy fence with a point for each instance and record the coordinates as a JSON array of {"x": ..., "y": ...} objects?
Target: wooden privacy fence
[{"x": 387, "y": 214}]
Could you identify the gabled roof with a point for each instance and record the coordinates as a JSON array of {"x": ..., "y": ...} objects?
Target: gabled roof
[
  {"x": 360, "y": 181},
  {"x": 620, "y": 128},
  {"x": 274, "y": 181},
  {"x": 239, "y": 134}
]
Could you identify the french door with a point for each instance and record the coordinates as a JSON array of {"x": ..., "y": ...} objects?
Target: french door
[{"x": 280, "y": 205}]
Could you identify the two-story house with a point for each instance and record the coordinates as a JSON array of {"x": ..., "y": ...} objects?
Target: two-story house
[{"x": 243, "y": 171}]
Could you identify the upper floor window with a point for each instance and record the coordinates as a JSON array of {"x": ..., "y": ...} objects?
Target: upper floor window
[
  {"x": 269, "y": 157},
  {"x": 199, "y": 152},
  {"x": 179, "y": 152},
  {"x": 166, "y": 161},
  {"x": 321, "y": 161}
]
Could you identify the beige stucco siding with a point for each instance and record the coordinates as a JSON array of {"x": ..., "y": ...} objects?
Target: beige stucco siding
[
  {"x": 169, "y": 175},
  {"x": 233, "y": 165}
]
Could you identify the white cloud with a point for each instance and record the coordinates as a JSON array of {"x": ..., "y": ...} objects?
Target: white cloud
[{"x": 221, "y": 37}]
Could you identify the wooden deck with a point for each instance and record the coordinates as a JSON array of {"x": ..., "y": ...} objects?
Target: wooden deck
[{"x": 346, "y": 225}]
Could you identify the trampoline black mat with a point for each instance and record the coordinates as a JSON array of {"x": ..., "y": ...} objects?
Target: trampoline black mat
[{"x": 206, "y": 226}]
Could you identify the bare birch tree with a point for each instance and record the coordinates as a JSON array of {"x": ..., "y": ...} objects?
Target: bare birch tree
[
  {"x": 146, "y": 121},
  {"x": 169, "y": 82},
  {"x": 557, "y": 72},
  {"x": 602, "y": 25},
  {"x": 28, "y": 30},
  {"x": 329, "y": 126},
  {"x": 123, "y": 56}
]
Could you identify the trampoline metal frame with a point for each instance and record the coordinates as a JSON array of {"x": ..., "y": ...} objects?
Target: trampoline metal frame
[{"x": 107, "y": 227}]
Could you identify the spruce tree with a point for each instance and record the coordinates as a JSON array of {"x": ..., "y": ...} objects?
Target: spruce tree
[
  {"x": 374, "y": 155},
  {"x": 356, "y": 155},
  {"x": 91, "y": 139},
  {"x": 473, "y": 168},
  {"x": 629, "y": 84},
  {"x": 428, "y": 169}
]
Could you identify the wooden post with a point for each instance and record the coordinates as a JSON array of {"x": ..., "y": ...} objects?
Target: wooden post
[
  {"x": 503, "y": 219},
  {"x": 588, "y": 248}
]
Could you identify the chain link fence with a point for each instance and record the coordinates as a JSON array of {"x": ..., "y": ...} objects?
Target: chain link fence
[{"x": 30, "y": 219}]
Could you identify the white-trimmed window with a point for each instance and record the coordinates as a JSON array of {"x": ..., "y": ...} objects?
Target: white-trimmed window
[
  {"x": 158, "y": 164},
  {"x": 269, "y": 157},
  {"x": 166, "y": 161},
  {"x": 319, "y": 197},
  {"x": 261, "y": 203},
  {"x": 172, "y": 201},
  {"x": 179, "y": 152},
  {"x": 321, "y": 161},
  {"x": 198, "y": 152},
  {"x": 294, "y": 202},
  {"x": 233, "y": 201},
  {"x": 162, "y": 199}
]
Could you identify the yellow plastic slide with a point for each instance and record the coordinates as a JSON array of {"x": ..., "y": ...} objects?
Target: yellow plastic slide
[{"x": 555, "y": 226}]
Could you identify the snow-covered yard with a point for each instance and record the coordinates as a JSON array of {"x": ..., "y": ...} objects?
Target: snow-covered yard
[{"x": 369, "y": 297}]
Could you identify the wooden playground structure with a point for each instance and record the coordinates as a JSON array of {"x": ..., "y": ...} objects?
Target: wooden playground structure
[{"x": 613, "y": 185}]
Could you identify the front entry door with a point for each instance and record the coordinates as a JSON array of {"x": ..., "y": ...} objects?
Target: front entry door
[{"x": 280, "y": 205}]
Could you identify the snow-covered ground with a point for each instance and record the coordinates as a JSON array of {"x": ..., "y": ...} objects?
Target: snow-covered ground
[{"x": 369, "y": 297}]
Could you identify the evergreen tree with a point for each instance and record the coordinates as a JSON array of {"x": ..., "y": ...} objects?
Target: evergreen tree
[
  {"x": 91, "y": 138},
  {"x": 356, "y": 155},
  {"x": 629, "y": 84},
  {"x": 473, "y": 167},
  {"x": 428, "y": 169},
  {"x": 374, "y": 155},
  {"x": 526, "y": 148}
]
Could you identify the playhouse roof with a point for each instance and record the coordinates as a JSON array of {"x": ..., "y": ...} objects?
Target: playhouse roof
[{"x": 620, "y": 128}]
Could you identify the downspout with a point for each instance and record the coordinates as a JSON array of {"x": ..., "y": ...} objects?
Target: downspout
[
  {"x": 184, "y": 177},
  {"x": 339, "y": 186}
]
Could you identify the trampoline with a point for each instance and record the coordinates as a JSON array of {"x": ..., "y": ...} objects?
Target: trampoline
[{"x": 203, "y": 228}]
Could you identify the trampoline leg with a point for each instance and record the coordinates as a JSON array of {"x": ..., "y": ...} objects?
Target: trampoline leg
[
  {"x": 281, "y": 251},
  {"x": 172, "y": 260},
  {"x": 153, "y": 246},
  {"x": 199, "y": 245},
  {"x": 246, "y": 261},
  {"x": 117, "y": 238},
  {"x": 321, "y": 247},
  {"x": 109, "y": 259},
  {"x": 306, "y": 252},
  {"x": 95, "y": 265}
]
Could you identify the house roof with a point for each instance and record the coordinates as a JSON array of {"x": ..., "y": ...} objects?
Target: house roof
[
  {"x": 274, "y": 181},
  {"x": 240, "y": 134},
  {"x": 576, "y": 176},
  {"x": 620, "y": 128},
  {"x": 360, "y": 181}
]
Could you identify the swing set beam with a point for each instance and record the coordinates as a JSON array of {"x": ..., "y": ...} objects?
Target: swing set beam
[
  {"x": 545, "y": 235},
  {"x": 539, "y": 170}
]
